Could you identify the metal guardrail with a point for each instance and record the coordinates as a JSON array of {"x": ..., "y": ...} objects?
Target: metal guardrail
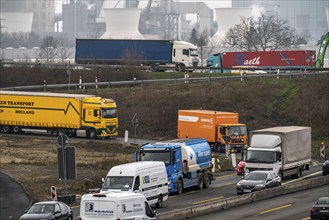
[{"x": 136, "y": 82}]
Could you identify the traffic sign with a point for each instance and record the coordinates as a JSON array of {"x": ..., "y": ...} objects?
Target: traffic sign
[
  {"x": 322, "y": 151},
  {"x": 53, "y": 193},
  {"x": 62, "y": 140}
]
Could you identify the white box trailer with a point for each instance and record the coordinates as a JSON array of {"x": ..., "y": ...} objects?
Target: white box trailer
[
  {"x": 285, "y": 149},
  {"x": 115, "y": 205},
  {"x": 147, "y": 177}
]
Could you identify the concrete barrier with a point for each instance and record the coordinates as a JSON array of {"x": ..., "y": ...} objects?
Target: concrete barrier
[{"x": 218, "y": 205}]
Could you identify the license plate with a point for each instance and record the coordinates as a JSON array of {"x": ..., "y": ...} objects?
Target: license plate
[
  {"x": 247, "y": 190},
  {"x": 324, "y": 211}
]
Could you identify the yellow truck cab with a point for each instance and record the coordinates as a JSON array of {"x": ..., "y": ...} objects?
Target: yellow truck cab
[{"x": 72, "y": 114}]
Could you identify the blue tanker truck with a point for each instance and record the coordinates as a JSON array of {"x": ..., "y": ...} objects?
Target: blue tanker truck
[
  {"x": 158, "y": 54},
  {"x": 188, "y": 162}
]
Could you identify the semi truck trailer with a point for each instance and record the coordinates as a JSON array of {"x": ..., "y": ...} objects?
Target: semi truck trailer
[
  {"x": 221, "y": 129},
  {"x": 188, "y": 162},
  {"x": 158, "y": 54},
  {"x": 246, "y": 60},
  {"x": 285, "y": 150},
  {"x": 73, "y": 114}
]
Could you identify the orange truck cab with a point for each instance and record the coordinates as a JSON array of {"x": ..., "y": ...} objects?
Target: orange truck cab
[{"x": 222, "y": 130}]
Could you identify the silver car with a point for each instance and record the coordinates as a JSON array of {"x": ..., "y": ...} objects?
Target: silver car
[{"x": 258, "y": 180}]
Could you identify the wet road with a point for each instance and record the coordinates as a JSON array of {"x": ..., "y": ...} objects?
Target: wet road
[{"x": 13, "y": 199}]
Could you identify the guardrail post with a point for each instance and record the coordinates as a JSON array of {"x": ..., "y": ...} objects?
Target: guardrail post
[{"x": 44, "y": 85}]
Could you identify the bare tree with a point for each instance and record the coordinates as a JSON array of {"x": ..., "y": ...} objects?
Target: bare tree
[
  {"x": 62, "y": 51},
  {"x": 48, "y": 50},
  {"x": 202, "y": 40},
  {"x": 266, "y": 32}
]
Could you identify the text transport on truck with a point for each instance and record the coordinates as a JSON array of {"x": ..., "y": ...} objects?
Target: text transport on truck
[{"x": 72, "y": 114}]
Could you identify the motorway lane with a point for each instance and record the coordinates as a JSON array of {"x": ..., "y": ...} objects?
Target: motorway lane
[
  {"x": 13, "y": 199},
  {"x": 291, "y": 206},
  {"x": 223, "y": 187}
]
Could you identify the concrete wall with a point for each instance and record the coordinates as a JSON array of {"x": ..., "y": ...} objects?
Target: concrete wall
[{"x": 243, "y": 199}]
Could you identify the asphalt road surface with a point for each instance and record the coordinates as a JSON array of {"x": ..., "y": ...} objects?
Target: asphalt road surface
[{"x": 13, "y": 199}]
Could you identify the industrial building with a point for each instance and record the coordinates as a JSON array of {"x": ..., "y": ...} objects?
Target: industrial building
[{"x": 158, "y": 19}]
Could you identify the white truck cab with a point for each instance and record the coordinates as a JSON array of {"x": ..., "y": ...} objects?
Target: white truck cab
[
  {"x": 147, "y": 177},
  {"x": 115, "y": 205},
  {"x": 283, "y": 149}
]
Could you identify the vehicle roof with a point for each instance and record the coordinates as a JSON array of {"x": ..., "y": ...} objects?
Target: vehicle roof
[
  {"x": 47, "y": 202},
  {"x": 211, "y": 112},
  {"x": 131, "y": 168},
  {"x": 45, "y": 94},
  {"x": 282, "y": 129},
  {"x": 262, "y": 171},
  {"x": 117, "y": 194}
]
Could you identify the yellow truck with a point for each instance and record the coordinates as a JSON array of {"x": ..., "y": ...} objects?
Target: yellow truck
[{"x": 72, "y": 114}]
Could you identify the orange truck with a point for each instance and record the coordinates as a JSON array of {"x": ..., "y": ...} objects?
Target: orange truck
[{"x": 222, "y": 130}]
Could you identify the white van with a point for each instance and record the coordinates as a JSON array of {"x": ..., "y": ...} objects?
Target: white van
[
  {"x": 147, "y": 177},
  {"x": 115, "y": 205}
]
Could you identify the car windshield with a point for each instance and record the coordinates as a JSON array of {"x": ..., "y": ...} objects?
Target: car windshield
[
  {"x": 109, "y": 112},
  {"x": 323, "y": 201},
  {"x": 236, "y": 130},
  {"x": 257, "y": 156},
  {"x": 194, "y": 52},
  {"x": 156, "y": 156},
  {"x": 41, "y": 208},
  {"x": 118, "y": 182},
  {"x": 256, "y": 176}
]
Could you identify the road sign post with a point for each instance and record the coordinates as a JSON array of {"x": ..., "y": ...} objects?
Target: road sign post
[
  {"x": 135, "y": 123},
  {"x": 53, "y": 193},
  {"x": 322, "y": 151}
]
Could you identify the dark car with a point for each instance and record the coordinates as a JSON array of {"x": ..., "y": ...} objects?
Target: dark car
[
  {"x": 48, "y": 210},
  {"x": 325, "y": 168},
  {"x": 320, "y": 209},
  {"x": 258, "y": 180}
]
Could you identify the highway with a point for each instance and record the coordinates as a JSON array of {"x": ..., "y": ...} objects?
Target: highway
[
  {"x": 291, "y": 206},
  {"x": 223, "y": 187}
]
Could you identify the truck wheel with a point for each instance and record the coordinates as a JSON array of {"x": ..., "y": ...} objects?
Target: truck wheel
[
  {"x": 160, "y": 202},
  {"x": 17, "y": 129},
  {"x": 92, "y": 134},
  {"x": 206, "y": 181},
  {"x": 280, "y": 174},
  {"x": 179, "y": 187},
  {"x": 154, "y": 67},
  {"x": 180, "y": 67},
  {"x": 6, "y": 129},
  {"x": 200, "y": 182}
]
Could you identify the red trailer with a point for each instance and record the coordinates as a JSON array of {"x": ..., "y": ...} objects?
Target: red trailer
[{"x": 269, "y": 59}]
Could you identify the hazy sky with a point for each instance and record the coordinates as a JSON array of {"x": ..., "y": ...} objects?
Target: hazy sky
[{"x": 210, "y": 3}]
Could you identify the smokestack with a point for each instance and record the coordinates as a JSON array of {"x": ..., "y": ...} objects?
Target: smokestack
[
  {"x": 227, "y": 18},
  {"x": 122, "y": 23}
]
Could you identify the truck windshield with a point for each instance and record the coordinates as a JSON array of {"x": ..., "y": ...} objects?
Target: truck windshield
[
  {"x": 163, "y": 156},
  {"x": 257, "y": 156},
  {"x": 118, "y": 182},
  {"x": 237, "y": 130},
  {"x": 194, "y": 52},
  {"x": 109, "y": 112}
]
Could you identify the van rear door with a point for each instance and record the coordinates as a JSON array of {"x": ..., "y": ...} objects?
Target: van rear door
[{"x": 98, "y": 208}]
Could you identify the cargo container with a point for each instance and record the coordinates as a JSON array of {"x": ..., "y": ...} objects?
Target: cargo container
[
  {"x": 262, "y": 60},
  {"x": 188, "y": 162},
  {"x": 221, "y": 129},
  {"x": 285, "y": 150},
  {"x": 155, "y": 53},
  {"x": 73, "y": 114}
]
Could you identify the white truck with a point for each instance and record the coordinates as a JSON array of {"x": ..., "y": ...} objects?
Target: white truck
[
  {"x": 146, "y": 177},
  {"x": 115, "y": 205},
  {"x": 285, "y": 150}
]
